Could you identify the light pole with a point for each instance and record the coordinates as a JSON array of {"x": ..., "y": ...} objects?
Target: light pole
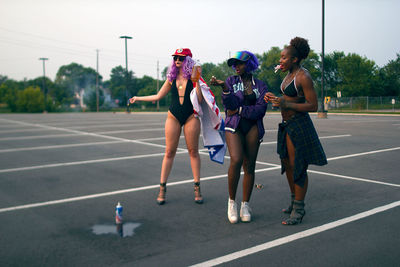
[
  {"x": 44, "y": 83},
  {"x": 126, "y": 70},
  {"x": 97, "y": 80},
  {"x": 322, "y": 113}
]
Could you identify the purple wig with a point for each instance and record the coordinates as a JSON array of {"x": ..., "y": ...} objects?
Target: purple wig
[
  {"x": 187, "y": 66},
  {"x": 251, "y": 64}
]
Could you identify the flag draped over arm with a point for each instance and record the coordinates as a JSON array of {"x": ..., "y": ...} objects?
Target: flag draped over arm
[{"x": 212, "y": 124}]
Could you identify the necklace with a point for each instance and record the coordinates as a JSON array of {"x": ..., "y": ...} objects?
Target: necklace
[{"x": 291, "y": 75}]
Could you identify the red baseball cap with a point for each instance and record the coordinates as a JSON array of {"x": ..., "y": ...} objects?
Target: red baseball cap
[{"x": 183, "y": 52}]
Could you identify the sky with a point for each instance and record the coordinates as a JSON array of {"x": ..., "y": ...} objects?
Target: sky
[{"x": 66, "y": 31}]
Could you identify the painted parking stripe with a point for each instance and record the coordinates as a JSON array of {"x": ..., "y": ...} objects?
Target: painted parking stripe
[
  {"x": 296, "y": 236},
  {"x": 353, "y": 178},
  {"x": 123, "y": 191},
  {"x": 58, "y": 146},
  {"x": 107, "y": 142}
]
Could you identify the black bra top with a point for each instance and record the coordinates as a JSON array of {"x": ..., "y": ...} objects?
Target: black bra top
[
  {"x": 181, "y": 112},
  {"x": 250, "y": 99},
  {"x": 291, "y": 89}
]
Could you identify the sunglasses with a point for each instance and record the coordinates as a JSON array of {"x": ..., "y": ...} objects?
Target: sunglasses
[{"x": 180, "y": 58}]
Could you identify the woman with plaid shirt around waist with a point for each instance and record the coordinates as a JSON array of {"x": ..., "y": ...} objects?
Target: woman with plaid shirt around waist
[{"x": 298, "y": 142}]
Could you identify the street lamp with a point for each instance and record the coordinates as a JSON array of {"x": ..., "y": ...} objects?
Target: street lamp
[
  {"x": 322, "y": 113},
  {"x": 44, "y": 83},
  {"x": 126, "y": 69}
]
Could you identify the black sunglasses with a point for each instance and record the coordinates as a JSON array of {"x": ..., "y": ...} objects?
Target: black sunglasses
[{"x": 181, "y": 58}]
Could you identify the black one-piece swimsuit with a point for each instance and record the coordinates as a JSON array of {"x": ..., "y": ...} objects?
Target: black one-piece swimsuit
[{"x": 181, "y": 111}]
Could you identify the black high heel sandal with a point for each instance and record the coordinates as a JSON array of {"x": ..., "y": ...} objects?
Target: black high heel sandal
[
  {"x": 290, "y": 208},
  {"x": 197, "y": 194},
  {"x": 297, "y": 214},
  {"x": 161, "y": 195}
]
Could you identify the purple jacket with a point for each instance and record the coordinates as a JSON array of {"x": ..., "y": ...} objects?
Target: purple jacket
[{"x": 235, "y": 98}]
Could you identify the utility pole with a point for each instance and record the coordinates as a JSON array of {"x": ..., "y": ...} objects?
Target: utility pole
[
  {"x": 44, "y": 83},
  {"x": 97, "y": 80},
  {"x": 126, "y": 70},
  {"x": 158, "y": 88},
  {"x": 322, "y": 113}
]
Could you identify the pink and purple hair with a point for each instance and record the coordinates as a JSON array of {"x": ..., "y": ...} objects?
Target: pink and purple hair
[{"x": 187, "y": 66}]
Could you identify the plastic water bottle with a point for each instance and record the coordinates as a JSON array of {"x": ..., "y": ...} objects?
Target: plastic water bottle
[
  {"x": 196, "y": 72},
  {"x": 118, "y": 213}
]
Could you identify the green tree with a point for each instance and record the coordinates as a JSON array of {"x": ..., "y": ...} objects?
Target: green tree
[
  {"x": 267, "y": 74},
  {"x": 73, "y": 78},
  {"x": 148, "y": 86},
  {"x": 390, "y": 77},
  {"x": 118, "y": 82},
  {"x": 8, "y": 92},
  {"x": 90, "y": 99},
  {"x": 357, "y": 75},
  {"x": 221, "y": 72},
  {"x": 30, "y": 100}
]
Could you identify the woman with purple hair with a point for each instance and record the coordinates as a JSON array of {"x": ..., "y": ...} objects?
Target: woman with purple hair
[
  {"x": 180, "y": 114},
  {"x": 243, "y": 99}
]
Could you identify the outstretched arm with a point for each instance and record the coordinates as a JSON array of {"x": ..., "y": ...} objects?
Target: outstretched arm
[{"x": 150, "y": 98}]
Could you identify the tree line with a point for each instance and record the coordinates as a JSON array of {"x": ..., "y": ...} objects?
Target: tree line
[{"x": 75, "y": 85}]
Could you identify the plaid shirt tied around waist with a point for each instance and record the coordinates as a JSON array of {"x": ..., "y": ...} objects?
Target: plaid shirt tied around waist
[{"x": 308, "y": 148}]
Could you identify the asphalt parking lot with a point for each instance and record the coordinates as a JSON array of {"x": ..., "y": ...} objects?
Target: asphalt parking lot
[{"x": 61, "y": 176}]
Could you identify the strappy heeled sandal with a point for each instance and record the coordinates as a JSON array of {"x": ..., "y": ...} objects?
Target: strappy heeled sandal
[
  {"x": 161, "y": 195},
  {"x": 197, "y": 194},
  {"x": 297, "y": 214},
  {"x": 290, "y": 208}
]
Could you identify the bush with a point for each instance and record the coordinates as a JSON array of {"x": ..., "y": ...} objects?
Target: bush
[{"x": 30, "y": 99}]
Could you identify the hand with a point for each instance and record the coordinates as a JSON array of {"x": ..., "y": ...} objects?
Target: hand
[
  {"x": 132, "y": 100},
  {"x": 268, "y": 97},
  {"x": 276, "y": 101},
  {"x": 216, "y": 82},
  {"x": 230, "y": 112}
]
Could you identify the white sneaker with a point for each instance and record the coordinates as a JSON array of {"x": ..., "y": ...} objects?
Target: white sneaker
[
  {"x": 245, "y": 212},
  {"x": 232, "y": 211}
]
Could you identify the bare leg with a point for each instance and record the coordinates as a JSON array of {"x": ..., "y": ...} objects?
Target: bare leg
[
  {"x": 298, "y": 212},
  {"x": 172, "y": 134},
  {"x": 192, "y": 133},
  {"x": 289, "y": 163},
  {"x": 235, "y": 146},
  {"x": 249, "y": 162},
  {"x": 300, "y": 192}
]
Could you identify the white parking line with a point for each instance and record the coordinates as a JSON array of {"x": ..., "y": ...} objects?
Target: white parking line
[
  {"x": 47, "y": 203},
  {"x": 73, "y": 199},
  {"x": 132, "y": 131},
  {"x": 180, "y": 150},
  {"x": 296, "y": 236},
  {"x": 58, "y": 146},
  {"x": 353, "y": 178},
  {"x": 321, "y": 137},
  {"x": 366, "y": 153},
  {"x": 85, "y": 133},
  {"x": 75, "y": 134},
  {"x": 107, "y": 142},
  {"x": 39, "y": 136},
  {"x": 74, "y": 163}
]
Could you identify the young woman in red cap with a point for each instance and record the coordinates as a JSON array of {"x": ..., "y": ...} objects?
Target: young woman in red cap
[
  {"x": 298, "y": 142},
  {"x": 180, "y": 114}
]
